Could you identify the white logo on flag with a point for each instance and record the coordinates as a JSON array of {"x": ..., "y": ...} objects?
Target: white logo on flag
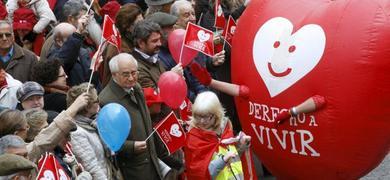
[{"x": 175, "y": 131}]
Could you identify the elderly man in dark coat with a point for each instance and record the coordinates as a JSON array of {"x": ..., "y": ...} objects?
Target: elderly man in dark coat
[
  {"x": 138, "y": 158},
  {"x": 14, "y": 59}
]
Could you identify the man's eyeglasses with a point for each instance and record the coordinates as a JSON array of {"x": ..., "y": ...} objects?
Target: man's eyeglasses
[
  {"x": 128, "y": 74},
  {"x": 7, "y": 35}
]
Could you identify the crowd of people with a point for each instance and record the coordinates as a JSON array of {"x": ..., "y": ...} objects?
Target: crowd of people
[{"x": 48, "y": 105}]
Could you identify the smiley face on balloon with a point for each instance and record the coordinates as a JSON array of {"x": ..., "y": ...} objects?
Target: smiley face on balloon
[{"x": 282, "y": 57}]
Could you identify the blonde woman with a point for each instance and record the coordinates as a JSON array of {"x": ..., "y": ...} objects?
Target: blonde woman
[{"x": 211, "y": 151}]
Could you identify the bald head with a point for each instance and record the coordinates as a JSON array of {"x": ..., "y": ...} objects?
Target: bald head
[{"x": 61, "y": 33}]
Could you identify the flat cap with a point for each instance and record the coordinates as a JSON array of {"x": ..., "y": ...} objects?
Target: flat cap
[
  {"x": 28, "y": 89},
  {"x": 11, "y": 164},
  {"x": 162, "y": 19}
]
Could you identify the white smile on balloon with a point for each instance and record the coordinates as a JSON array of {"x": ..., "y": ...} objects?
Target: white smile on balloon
[{"x": 282, "y": 57}]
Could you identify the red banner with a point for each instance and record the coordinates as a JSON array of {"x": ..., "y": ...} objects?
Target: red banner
[
  {"x": 171, "y": 133},
  {"x": 229, "y": 30},
  {"x": 50, "y": 169},
  {"x": 200, "y": 39},
  {"x": 220, "y": 20},
  {"x": 111, "y": 33}
]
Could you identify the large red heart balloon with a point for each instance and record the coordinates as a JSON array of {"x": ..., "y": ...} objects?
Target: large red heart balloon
[{"x": 287, "y": 51}]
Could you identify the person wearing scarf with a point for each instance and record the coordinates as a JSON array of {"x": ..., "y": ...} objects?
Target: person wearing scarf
[
  {"x": 211, "y": 150},
  {"x": 85, "y": 141},
  {"x": 51, "y": 75}
]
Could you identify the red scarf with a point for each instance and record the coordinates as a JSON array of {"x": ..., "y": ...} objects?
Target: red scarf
[{"x": 199, "y": 149}]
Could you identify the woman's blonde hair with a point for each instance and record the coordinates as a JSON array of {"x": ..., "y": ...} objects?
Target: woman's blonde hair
[{"x": 207, "y": 103}]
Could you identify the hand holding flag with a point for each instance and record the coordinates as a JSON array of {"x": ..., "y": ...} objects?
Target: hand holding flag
[{"x": 171, "y": 133}]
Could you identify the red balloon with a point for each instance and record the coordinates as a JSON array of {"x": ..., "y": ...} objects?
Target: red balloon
[
  {"x": 173, "y": 89},
  {"x": 175, "y": 42},
  {"x": 291, "y": 50}
]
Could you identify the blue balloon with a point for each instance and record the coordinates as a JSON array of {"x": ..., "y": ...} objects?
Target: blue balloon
[{"x": 114, "y": 124}]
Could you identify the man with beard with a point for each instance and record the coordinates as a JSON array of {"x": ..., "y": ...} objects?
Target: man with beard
[{"x": 147, "y": 42}]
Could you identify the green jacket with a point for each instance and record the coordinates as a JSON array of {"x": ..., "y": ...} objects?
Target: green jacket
[{"x": 132, "y": 165}]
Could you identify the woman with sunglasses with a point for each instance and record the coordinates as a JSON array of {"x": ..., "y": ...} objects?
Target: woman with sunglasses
[{"x": 211, "y": 151}]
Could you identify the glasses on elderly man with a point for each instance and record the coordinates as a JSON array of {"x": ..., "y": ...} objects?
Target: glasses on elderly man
[
  {"x": 7, "y": 35},
  {"x": 128, "y": 74}
]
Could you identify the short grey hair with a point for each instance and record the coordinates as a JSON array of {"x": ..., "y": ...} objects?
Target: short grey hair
[
  {"x": 12, "y": 141},
  {"x": 72, "y": 8},
  {"x": 61, "y": 28},
  {"x": 143, "y": 30},
  {"x": 177, "y": 5},
  {"x": 7, "y": 23},
  {"x": 114, "y": 62}
]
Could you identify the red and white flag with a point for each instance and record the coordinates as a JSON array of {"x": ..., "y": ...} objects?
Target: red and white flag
[
  {"x": 200, "y": 39},
  {"x": 171, "y": 133},
  {"x": 50, "y": 169},
  {"x": 229, "y": 30},
  {"x": 110, "y": 35},
  {"x": 220, "y": 20},
  {"x": 185, "y": 109}
]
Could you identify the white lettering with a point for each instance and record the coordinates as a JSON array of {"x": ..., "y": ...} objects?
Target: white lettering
[
  {"x": 282, "y": 143},
  {"x": 265, "y": 112},
  {"x": 305, "y": 143},
  {"x": 293, "y": 149},
  {"x": 257, "y": 111},
  {"x": 268, "y": 138},
  {"x": 306, "y": 138},
  {"x": 251, "y": 109},
  {"x": 313, "y": 121}
]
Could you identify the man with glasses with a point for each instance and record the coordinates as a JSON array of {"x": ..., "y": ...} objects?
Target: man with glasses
[
  {"x": 137, "y": 158},
  {"x": 14, "y": 59}
]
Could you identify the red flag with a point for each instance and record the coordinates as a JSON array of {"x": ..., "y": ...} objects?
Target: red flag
[
  {"x": 171, "y": 133},
  {"x": 185, "y": 110},
  {"x": 50, "y": 169},
  {"x": 220, "y": 20},
  {"x": 111, "y": 33},
  {"x": 229, "y": 30},
  {"x": 200, "y": 39}
]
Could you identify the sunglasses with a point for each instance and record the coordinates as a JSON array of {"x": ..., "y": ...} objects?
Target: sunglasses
[{"x": 7, "y": 35}]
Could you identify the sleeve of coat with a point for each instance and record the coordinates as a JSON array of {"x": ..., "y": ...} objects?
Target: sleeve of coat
[
  {"x": 11, "y": 5},
  {"x": 82, "y": 149},
  {"x": 45, "y": 16},
  {"x": 49, "y": 137},
  {"x": 94, "y": 31},
  {"x": 145, "y": 80},
  {"x": 128, "y": 148},
  {"x": 69, "y": 52}
]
